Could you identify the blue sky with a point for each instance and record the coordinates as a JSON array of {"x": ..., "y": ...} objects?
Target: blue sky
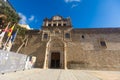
[{"x": 84, "y": 13}]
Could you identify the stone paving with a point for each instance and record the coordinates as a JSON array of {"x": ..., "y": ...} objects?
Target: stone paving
[{"x": 59, "y": 74}]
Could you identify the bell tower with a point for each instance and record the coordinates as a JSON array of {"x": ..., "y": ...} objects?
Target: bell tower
[{"x": 57, "y": 22}]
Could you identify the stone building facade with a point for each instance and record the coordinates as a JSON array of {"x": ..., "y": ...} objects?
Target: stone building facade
[{"x": 59, "y": 45}]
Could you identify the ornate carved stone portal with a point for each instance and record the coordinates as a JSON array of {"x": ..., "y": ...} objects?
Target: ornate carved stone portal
[{"x": 56, "y": 54}]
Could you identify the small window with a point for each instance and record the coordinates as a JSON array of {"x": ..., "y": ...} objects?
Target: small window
[
  {"x": 64, "y": 24},
  {"x": 103, "y": 44},
  {"x": 59, "y": 24},
  {"x": 67, "y": 35},
  {"x": 83, "y": 36},
  {"x": 45, "y": 36},
  {"x": 49, "y": 24},
  {"x": 54, "y": 24}
]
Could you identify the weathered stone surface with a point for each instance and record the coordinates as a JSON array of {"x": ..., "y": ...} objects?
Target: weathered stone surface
[{"x": 79, "y": 48}]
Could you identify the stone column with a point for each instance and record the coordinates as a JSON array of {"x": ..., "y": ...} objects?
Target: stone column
[
  {"x": 62, "y": 23},
  {"x": 46, "y": 55},
  {"x": 57, "y": 24},
  {"x": 46, "y": 23},
  {"x": 65, "y": 60},
  {"x": 52, "y": 23}
]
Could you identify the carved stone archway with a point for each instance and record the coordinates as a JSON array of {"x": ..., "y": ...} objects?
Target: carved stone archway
[{"x": 56, "y": 46}]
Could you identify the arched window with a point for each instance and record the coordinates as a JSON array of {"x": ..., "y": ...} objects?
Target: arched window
[
  {"x": 54, "y": 25},
  {"x": 59, "y": 24},
  {"x": 45, "y": 36},
  {"x": 103, "y": 44},
  {"x": 64, "y": 24},
  {"x": 49, "y": 24},
  {"x": 83, "y": 36},
  {"x": 67, "y": 35}
]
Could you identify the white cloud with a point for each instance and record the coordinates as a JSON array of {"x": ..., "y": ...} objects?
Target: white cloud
[
  {"x": 74, "y": 5},
  {"x": 23, "y": 19},
  {"x": 5, "y": 0},
  {"x": 31, "y": 18},
  {"x": 72, "y": 1}
]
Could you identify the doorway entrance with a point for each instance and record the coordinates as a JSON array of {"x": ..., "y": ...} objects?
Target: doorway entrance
[{"x": 55, "y": 60}]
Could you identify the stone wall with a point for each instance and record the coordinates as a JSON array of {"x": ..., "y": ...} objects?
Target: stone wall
[
  {"x": 87, "y": 53},
  {"x": 34, "y": 47},
  {"x": 83, "y": 48}
]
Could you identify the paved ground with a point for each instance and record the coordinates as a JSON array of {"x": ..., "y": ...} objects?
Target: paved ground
[{"x": 52, "y": 74}]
